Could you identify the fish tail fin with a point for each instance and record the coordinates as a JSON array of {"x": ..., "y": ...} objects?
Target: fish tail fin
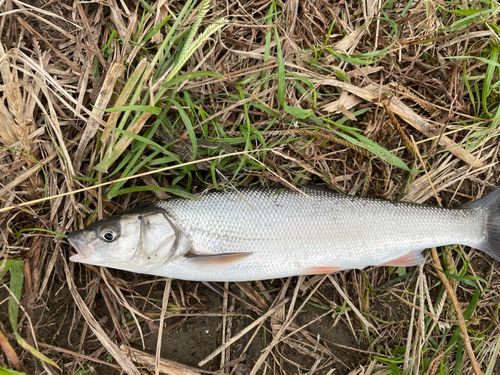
[{"x": 491, "y": 202}]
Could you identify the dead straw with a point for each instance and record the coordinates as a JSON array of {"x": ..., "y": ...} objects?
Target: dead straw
[{"x": 447, "y": 284}]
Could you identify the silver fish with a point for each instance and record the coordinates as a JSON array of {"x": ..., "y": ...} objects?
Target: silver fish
[{"x": 256, "y": 234}]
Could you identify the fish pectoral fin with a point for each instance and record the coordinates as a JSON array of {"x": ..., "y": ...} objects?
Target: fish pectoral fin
[
  {"x": 215, "y": 260},
  {"x": 413, "y": 258}
]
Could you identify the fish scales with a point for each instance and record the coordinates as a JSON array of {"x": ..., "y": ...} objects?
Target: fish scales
[
  {"x": 288, "y": 232},
  {"x": 255, "y": 234}
]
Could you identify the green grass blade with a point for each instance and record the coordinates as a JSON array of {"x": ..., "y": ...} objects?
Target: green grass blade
[
  {"x": 5, "y": 266},
  {"x": 4, "y": 371},
  {"x": 469, "y": 89},
  {"x": 34, "y": 351},
  {"x": 189, "y": 127},
  {"x": 155, "y": 29},
  {"x": 52, "y": 232},
  {"x": 464, "y": 12},
  {"x": 16, "y": 287},
  {"x": 297, "y": 112},
  {"x": 467, "y": 315},
  {"x": 466, "y": 279},
  {"x": 494, "y": 358},
  {"x": 267, "y": 48},
  {"x": 143, "y": 108},
  {"x": 490, "y": 71},
  {"x": 281, "y": 68},
  {"x": 472, "y": 19},
  {"x": 361, "y": 141}
]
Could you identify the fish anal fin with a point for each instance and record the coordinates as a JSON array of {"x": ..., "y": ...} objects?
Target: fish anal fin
[
  {"x": 413, "y": 258},
  {"x": 320, "y": 270},
  {"x": 215, "y": 260}
]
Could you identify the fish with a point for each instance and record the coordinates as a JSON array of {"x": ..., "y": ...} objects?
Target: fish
[{"x": 257, "y": 234}]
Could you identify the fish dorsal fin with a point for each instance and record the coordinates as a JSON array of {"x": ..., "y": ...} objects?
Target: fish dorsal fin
[
  {"x": 215, "y": 260},
  {"x": 413, "y": 258}
]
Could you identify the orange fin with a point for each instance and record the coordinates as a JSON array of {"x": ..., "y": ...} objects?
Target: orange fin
[
  {"x": 413, "y": 258},
  {"x": 320, "y": 270},
  {"x": 215, "y": 260}
]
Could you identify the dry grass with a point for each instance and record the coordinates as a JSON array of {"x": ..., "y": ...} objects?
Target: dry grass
[{"x": 398, "y": 100}]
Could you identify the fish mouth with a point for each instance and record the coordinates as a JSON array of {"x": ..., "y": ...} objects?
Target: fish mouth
[{"x": 82, "y": 250}]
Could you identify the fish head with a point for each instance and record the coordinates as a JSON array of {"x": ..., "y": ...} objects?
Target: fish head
[{"x": 142, "y": 238}]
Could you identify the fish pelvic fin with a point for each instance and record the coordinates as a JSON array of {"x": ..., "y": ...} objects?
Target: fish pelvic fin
[
  {"x": 413, "y": 258},
  {"x": 215, "y": 260},
  {"x": 491, "y": 203}
]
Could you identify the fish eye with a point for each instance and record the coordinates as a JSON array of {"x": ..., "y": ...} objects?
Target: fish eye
[{"x": 109, "y": 234}]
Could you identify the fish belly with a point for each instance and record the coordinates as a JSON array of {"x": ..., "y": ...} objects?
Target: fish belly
[{"x": 290, "y": 233}]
